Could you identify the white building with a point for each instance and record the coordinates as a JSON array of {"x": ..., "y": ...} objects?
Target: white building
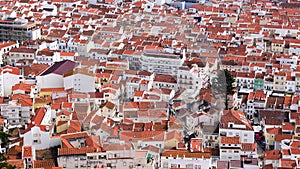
[
  {"x": 159, "y": 61},
  {"x": 5, "y": 47},
  {"x": 294, "y": 49},
  {"x": 98, "y": 54},
  {"x": 40, "y": 138},
  {"x": 68, "y": 56},
  {"x": 15, "y": 114},
  {"x": 84, "y": 46},
  {"x": 290, "y": 60},
  {"x": 53, "y": 76},
  {"x": 80, "y": 80},
  {"x": 189, "y": 78},
  {"x": 121, "y": 158},
  {"x": 9, "y": 76},
  {"x": 132, "y": 85},
  {"x": 74, "y": 148},
  {"x": 47, "y": 57},
  {"x": 185, "y": 159},
  {"x": 235, "y": 131},
  {"x": 38, "y": 133},
  {"x": 245, "y": 80},
  {"x": 165, "y": 81}
]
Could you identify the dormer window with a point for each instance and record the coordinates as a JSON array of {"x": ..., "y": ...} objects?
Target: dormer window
[{"x": 230, "y": 125}]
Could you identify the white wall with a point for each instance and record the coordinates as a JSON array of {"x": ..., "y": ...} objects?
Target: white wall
[
  {"x": 9, "y": 80},
  {"x": 204, "y": 163},
  {"x": 44, "y": 139},
  {"x": 50, "y": 81},
  {"x": 246, "y": 136},
  {"x": 80, "y": 83}
]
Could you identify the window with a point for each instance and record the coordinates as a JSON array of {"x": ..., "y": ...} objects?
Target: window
[
  {"x": 173, "y": 165},
  {"x": 165, "y": 165},
  {"x": 197, "y": 166},
  {"x": 190, "y": 166}
]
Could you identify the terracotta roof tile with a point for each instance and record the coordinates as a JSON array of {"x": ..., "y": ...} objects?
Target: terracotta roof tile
[
  {"x": 144, "y": 135},
  {"x": 230, "y": 140},
  {"x": 236, "y": 117},
  {"x": 272, "y": 155},
  {"x": 76, "y": 151},
  {"x": 185, "y": 153}
]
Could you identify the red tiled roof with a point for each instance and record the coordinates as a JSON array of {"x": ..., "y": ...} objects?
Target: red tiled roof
[
  {"x": 287, "y": 163},
  {"x": 61, "y": 89},
  {"x": 40, "y": 113},
  {"x": 144, "y": 135},
  {"x": 185, "y": 154},
  {"x": 10, "y": 69},
  {"x": 49, "y": 163},
  {"x": 236, "y": 117},
  {"x": 22, "y": 86},
  {"x": 76, "y": 151},
  {"x": 173, "y": 135},
  {"x": 280, "y": 137},
  {"x": 74, "y": 127},
  {"x": 230, "y": 140},
  {"x": 248, "y": 147}
]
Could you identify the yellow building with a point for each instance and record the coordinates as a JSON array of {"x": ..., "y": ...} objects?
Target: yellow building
[
  {"x": 48, "y": 91},
  {"x": 279, "y": 82},
  {"x": 277, "y": 46},
  {"x": 270, "y": 136},
  {"x": 102, "y": 78},
  {"x": 108, "y": 109},
  {"x": 172, "y": 139},
  {"x": 41, "y": 102},
  {"x": 62, "y": 119}
]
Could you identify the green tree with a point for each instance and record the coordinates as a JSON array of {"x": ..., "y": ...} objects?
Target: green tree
[
  {"x": 4, "y": 139},
  {"x": 229, "y": 81},
  {"x": 222, "y": 84},
  {"x": 4, "y": 164}
]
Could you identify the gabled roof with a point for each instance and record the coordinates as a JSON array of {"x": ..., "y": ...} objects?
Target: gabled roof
[
  {"x": 143, "y": 136},
  {"x": 60, "y": 68},
  {"x": 22, "y": 86},
  {"x": 235, "y": 117}
]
